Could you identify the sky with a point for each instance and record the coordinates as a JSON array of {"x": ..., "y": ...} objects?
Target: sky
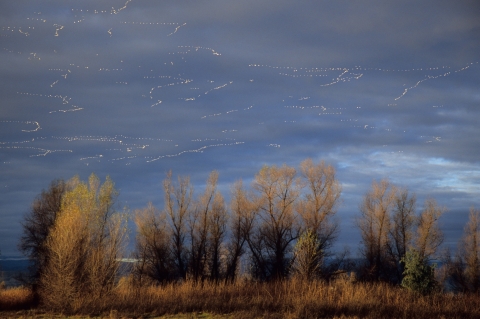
[{"x": 377, "y": 88}]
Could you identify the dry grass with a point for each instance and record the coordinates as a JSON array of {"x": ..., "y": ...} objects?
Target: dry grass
[
  {"x": 295, "y": 299},
  {"x": 287, "y": 299},
  {"x": 16, "y": 298}
]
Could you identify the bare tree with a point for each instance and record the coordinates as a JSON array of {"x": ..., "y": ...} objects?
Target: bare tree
[
  {"x": 199, "y": 229},
  {"x": 374, "y": 225},
  {"x": 178, "y": 200},
  {"x": 241, "y": 223},
  {"x": 277, "y": 189},
  {"x": 402, "y": 229},
  {"x": 470, "y": 249},
  {"x": 429, "y": 235},
  {"x": 319, "y": 205},
  {"x": 153, "y": 246},
  {"x": 37, "y": 226},
  {"x": 419, "y": 275},
  {"x": 464, "y": 270},
  {"x": 218, "y": 220}
]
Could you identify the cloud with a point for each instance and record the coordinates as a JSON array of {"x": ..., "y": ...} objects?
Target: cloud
[{"x": 380, "y": 89}]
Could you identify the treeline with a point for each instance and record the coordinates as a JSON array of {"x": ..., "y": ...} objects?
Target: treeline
[
  {"x": 281, "y": 226},
  {"x": 203, "y": 238}
]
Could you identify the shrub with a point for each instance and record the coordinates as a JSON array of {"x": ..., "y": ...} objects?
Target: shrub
[
  {"x": 306, "y": 263},
  {"x": 419, "y": 276}
]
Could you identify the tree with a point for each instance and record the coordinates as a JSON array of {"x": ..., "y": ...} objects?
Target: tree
[
  {"x": 37, "y": 225},
  {"x": 200, "y": 229},
  {"x": 389, "y": 229},
  {"x": 178, "y": 199},
  {"x": 318, "y": 206},
  {"x": 470, "y": 251},
  {"x": 429, "y": 235},
  {"x": 402, "y": 228},
  {"x": 374, "y": 225},
  {"x": 84, "y": 246},
  {"x": 241, "y": 224},
  {"x": 277, "y": 189},
  {"x": 464, "y": 271},
  {"x": 153, "y": 252},
  {"x": 218, "y": 220}
]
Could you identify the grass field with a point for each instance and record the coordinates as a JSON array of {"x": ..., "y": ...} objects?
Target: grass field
[{"x": 285, "y": 299}]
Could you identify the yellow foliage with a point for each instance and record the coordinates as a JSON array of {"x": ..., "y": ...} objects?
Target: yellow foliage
[{"x": 85, "y": 245}]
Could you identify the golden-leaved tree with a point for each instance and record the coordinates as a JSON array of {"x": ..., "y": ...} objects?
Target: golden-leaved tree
[
  {"x": 178, "y": 201},
  {"x": 241, "y": 222},
  {"x": 464, "y": 271},
  {"x": 85, "y": 247},
  {"x": 207, "y": 226},
  {"x": 470, "y": 251},
  {"x": 429, "y": 235},
  {"x": 316, "y": 209},
  {"x": 374, "y": 223},
  {"x": 203, "y": 238},
  {"x": 402, "y": 231},
  {"x": 390, "y": 228},
  {"x": 155, "y": 259},
  {"x": 276, "y": 191}
]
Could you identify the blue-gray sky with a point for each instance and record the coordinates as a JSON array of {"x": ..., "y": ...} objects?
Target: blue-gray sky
[{"x": 377, "y": 88}]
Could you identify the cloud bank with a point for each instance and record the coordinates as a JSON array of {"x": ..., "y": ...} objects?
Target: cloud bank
[{"x": 379, "y": 89}]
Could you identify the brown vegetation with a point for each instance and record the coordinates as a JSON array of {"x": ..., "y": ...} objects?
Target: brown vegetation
[
  {"x": 296, "y": 299},
  {"x": 18, "y": 298},
  {"x": 84, "y": 246},
  {"x": 390, "y": 228},
  {"x": 267, "y": 254},
  {"x": 205, "y": 239},
  {"x": 463, "y": 272},
  {"x": 281, "y": 299}
]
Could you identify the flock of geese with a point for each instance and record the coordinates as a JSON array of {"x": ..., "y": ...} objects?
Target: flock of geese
[{"x": 157, "y": 86}]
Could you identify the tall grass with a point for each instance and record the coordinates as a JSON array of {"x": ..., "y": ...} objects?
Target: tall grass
[
  {"x": 17, "y": 298},
  {"x": 295, "y": 299},
  {"x": 283, "y": 299}
]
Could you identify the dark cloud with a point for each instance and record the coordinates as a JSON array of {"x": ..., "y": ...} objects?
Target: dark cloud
[{"x": 132, "y": 89}]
